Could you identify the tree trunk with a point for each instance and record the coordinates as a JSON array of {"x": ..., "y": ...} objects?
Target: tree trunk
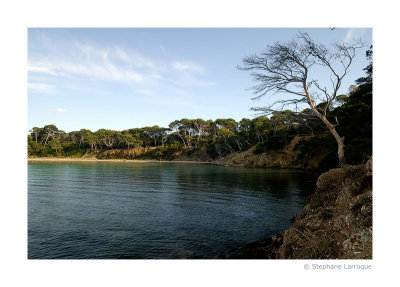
[
  {"x": 339, "y": 140},
  {"x": 310, "y": 128},
  {"x": 47, "y": 138},
  {"x": 110, "y": 143},
  {"x": 182, "y": 139},
  {"x": 239, "y": 145}
]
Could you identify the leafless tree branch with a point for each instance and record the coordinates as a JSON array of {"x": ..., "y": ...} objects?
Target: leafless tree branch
[{"x": 284, "y": 68}]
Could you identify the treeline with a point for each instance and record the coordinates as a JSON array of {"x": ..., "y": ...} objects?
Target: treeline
[
  {"x": 224, "y": 136},
  {"x": 221, "y": 137},
  {"x": 352, "y": 114}
]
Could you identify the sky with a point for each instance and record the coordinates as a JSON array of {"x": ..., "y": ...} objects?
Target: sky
[{"x": 118, "y": 79}]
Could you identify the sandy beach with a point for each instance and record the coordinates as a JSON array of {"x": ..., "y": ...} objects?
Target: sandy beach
[{"x": 108, "y": 160}]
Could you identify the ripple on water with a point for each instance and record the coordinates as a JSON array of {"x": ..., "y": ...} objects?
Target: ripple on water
[{"x": 153, "y": 210}]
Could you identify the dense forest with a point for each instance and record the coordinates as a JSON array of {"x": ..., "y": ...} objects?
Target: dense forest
[{"x": 351, "y": 112}]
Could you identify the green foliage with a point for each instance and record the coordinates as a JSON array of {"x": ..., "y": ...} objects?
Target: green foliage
[
  {"x": 368, "y": 78},
  {"x": 314, "y": 148},
  {"x": 260, "y": 148},
  {"x": 329, "y": 161},
  {"x": 165, "y": 152},
  {"x": 273, "y": 143},
  {"x": 34, "y": 148},
  {"x": 315, "y": 143},
  {"x": 71, "y": 149},
  {"x": 341, "y": 99},
  {"x": 358, "y": 150},
  {"x": 55, "y": 145}
]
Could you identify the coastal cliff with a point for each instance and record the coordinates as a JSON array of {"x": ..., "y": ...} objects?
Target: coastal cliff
[{"x": 336, "y": 224}]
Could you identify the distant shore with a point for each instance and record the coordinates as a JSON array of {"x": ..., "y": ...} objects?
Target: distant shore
[{"x": 109, "y": 160}]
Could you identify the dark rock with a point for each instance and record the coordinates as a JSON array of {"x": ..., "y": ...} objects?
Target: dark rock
[{"x": 261, "y": 249}]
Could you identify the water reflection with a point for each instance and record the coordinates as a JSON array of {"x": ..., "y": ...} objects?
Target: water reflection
[{"x": 156, "y": 210}]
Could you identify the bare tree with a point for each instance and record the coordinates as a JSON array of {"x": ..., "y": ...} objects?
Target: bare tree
[{"x": 302, "y": 70}]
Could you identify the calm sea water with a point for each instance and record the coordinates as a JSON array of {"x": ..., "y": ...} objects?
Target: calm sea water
[{"x": 112, "y": 210}]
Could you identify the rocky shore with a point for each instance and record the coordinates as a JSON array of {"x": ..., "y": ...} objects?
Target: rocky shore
[{"x": 336, "y": 224}]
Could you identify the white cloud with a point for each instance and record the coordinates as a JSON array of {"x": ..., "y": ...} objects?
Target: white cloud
[
  {"x": 103, "y": 70},
  {"x": 353, "y": 33},
  {"x": 58, "y": 110},
  {"x": 146, "y": 92},
  {"x": 133, "y": 58},
  {"x": 122, "y": 54},
  {"x": 187, "y": 74},
  {"x": 348, "y": 35},
  {"x": 40, "y": 87},
  {"x": 162, "y": 48},
  {"x": 187, "y": 66},
  {"x": 41, "y": 69},
  {"x": 78, "y": 60},
  {"x": 92, "y": 62},
  {"x": 156, "y": 76}
]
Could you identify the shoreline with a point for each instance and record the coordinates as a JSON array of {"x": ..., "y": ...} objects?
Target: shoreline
[
  {"x": 93, "y": 159},
  {"x": 110, "y": 160}
]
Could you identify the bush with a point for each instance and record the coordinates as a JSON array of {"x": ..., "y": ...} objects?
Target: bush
[
  {"x": 164, "y": 152},
  {"x": 276, "y": 142},
  {"x": 314, "y": 147},
  {"x": 72, "y": 150},
  {"x": 34, "y": 148},
  {"x": 260, "y": 148},
  {"x": 329, "y": 161},
  {"x": 358, "y": 150}
]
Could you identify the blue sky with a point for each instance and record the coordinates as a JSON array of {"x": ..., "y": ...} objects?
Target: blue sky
[{"x": 126, "y": 78}]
